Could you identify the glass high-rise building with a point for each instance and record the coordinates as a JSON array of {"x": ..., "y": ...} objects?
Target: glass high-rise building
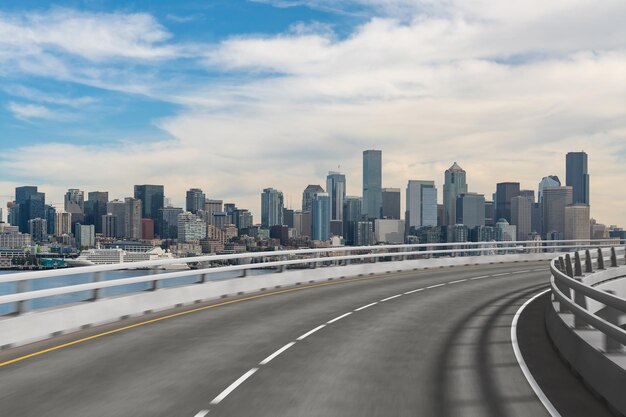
[
  {"x": 421, "y": 204},
  {"x": 152, "y": 200},
  {"x": 320, "y": 217},
  {"x": 555, "y": 199},
  {"x": 168, "y": 222},
  {"x": 455, "y": 184},
  {"x": 95, "y": 208},
  {"x": 522, "y": 215},
  {"x": 505, "y": 191},
  {"x": 352, "y": 214},
  {"x": 470, "y": 210},
  {"x": 391, "y": 203},
  {"x": 577, "y": 176},
  {"x": 195, "y": 199},
  {"x": 549, "y": 181},
  {"x": 372, "y": 184},
  {"x": 307, "y": 196},
  {"x": 336, "y": 189},
  {"x": 272, "y": 204}
]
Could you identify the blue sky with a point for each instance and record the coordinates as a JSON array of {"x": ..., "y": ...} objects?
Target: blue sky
[{"x": 234, "y": 96}]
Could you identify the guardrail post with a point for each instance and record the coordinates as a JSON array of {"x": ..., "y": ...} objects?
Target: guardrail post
[
  {"x": 580, "y": 300},
  {"x": 568, "y": 266},
  {"x": 588, "y": 263},
  {"x": 613, "y": 257},
  {"x": 561, "y": 264},
  {"x": 155, "y": 283},
  {"x": 600, "y": 259},
  {"x": 95, "y": 295},
  {"x": 612, "y": 316},
  {"x": 578, "y": 268},
  {"x": 22, "y": 286},
  {"x": 203, "y": 278}
]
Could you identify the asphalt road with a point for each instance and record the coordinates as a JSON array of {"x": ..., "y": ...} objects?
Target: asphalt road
[{"x": 327, "y": 351}]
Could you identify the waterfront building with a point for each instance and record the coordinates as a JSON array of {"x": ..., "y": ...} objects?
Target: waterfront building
[
  {"x": 63, "y": 224},
  {"x": 38, "y": 229},
  {"x": 191, "y": 228},
  {"x": 85, "y": 235},
  {"x": 372, "y": 184}
]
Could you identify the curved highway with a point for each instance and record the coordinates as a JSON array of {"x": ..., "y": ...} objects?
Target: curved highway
[{"x": 426, "y": 343}]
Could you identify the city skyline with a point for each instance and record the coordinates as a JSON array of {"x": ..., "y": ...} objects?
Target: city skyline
[{"x": 183, "y": 94}]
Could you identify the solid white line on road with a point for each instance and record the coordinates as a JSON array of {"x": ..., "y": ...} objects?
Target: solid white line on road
[
  {"x": 390, "y": 298},
  {"x": 501, "y": 275},
  {"x": 435, "y": 286},
  {"x": 309, "y": 333},
  {"x": 364, "y": 307},
  {"x": 522, "y": 363},
  {"x": 233, "y": 386},
  {"x": 278, "y": 352},
  {"x": 457, "y": 281},
  {"x": 417, "y": 290},
  {"x": 540, "y": 269},
  {"x": 521, "y": 272},
  {"x": 338, "y": 318},
  {"x": 202, "y": 413},
  {"x": 482, "y": 277}
]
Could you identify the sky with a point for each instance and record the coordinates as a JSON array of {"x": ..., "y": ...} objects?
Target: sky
[{"x": 234, "y": 96}]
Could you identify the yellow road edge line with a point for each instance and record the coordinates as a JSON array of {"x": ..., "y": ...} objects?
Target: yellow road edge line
[{"x": 170, "y": 316}]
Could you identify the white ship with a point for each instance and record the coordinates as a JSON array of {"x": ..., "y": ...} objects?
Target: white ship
[{"x": 91, "y": 257}]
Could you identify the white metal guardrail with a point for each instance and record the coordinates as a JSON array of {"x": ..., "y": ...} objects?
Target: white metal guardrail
[
  {"x": 592, "y": 341},
  {"x": 279, "y": 260}
]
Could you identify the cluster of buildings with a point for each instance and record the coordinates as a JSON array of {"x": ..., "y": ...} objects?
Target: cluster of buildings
[{"x": 327, "y": 216}]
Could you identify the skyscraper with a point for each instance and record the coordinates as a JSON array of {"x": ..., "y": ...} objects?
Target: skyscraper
[
  {"x": 307, "y": 196},
  {"x": 549, "y": 181},
  {"x": 421, "y": 204},
  {"x": 470, "y": 210},
  {"x": 336, "y": 189},
  {"x": 521, "y": 216},
  {"x": 455, "y": 183},
  {"x": 75, "y": 205},
  {"x": 577, "y": 176},
  {"x": 195, "y": 199},
  {"x": 320, "y": 217},
  {"x": 272, "y": 205},
  {"x": 505, "y": 191},
  {"x": 152, "y": 200},
  {"x": 352, "y": 214},
  {"x": 95, "y": 208},
  {"x": 168, "y": 222},
  {"x": 372, "y": 184},
  {"x": 30, "y": 204},
  {"x": 133, "y": 217},
  {"x": 555, "y": 199},
  {"x": 391, "y": 203},
  {"x": 577, "y": 222}
]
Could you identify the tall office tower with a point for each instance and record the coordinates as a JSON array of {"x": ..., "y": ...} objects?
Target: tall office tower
[
  {"x": 521, "y": 216},
  {"x": 212, "y": 206},
  {"x": 577, "y": 176},
  {"x": 470, "y": 210},
  {"x": 489, "y": 214},
  {"x": 134, "y": 208},
  {"x": 528, "y": 194},
  {"x": 421, "y": 204},
  {"x": 85, "y": 235},
  {"x": 288, "y": 218},
  {"x": 505, "y": 191},
  {"x": 391, "y": 203},
  {"x": 191, "y": 227},
  {"x": 272, "y": 205},
  {"x": 152, "y": 200},
  {"x": 577, "y": 222},
  {"x": 63, "y": 224},
  {"x": 168, "y": 222},
  {"x": 549, "y": 181},
  {"x": 307, "y": 196},
  {"x": 29, "y": 204},
  {"x": 441, "y": 213},
  {"x": 195, "y": 199},
  {"x": 75, "y": 205},
  {"x": 505, "y": 232},
  {"x": 351, "y": 215},
  {"x": 242, "y": 219},
  {"x": 372, "y": 184},
  {"x": 51, "y": 219},
  {"x": 109, "y": 225},
  {"x": 555, "y": 199},
  {"x": 147, "y": 229},
  {"x": 320, "y": 217},
  {"x": 336, "y": 189},
  {"x": 364, "y": 233},
  {"x": 455, "y": 183},
  {"x": 95, "y": 208},
  {"x": 229, "y": 208},
  {"x": 117, "y": 209},
  {"x": 38, "y": 229}
]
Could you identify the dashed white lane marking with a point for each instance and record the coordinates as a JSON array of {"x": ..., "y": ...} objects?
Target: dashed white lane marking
[
  {"x": 522, "y": 363},
  {"x": 233, "y": 386},
  {"x": 338, "y": 318},
  {"x": 457, "y": 281},
  {"x": 521, "y": 272},
  {"x": 309, "y": 333},
  {"x": 202, "y": 413},
  {"x": 417, "y": 290},
  {"x": 501, "y": 275},
  {"x": 481, "y": 277},
  {"x": 278, "y": 352},
  {"x": 435, "y": 286},
  {"x": 390, "y": 298},
  {"x": 366, "y": 306},
  {"x": 540, "y": 269}
]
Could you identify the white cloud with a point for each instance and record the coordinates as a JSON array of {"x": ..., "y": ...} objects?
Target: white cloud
[{"x": 31, "y": 111}]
